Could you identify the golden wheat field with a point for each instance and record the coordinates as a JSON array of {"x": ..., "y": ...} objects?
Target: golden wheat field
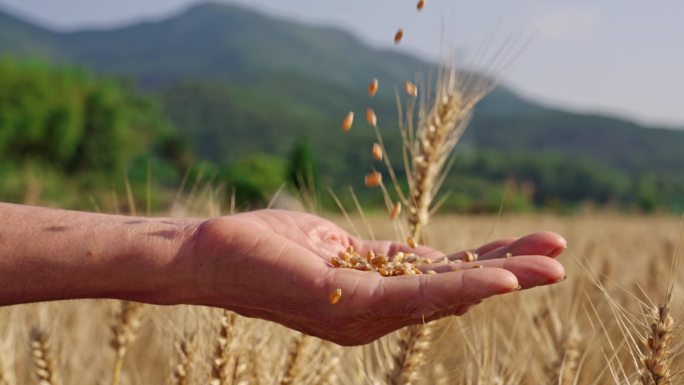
[{"x": 600, "y": 326}]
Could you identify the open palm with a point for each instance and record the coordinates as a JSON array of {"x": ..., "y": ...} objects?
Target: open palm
[{"x": 275, "y": 265}]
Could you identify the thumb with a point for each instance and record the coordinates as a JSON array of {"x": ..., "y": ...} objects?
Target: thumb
[{"x": 421, "y": 296}]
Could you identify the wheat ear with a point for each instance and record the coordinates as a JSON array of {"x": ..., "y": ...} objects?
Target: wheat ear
[
  {"x": 124, "y": 330},
  {"x": 657, "y": 358},
  {"x": 328, "y": 375},
  {"x": 295, "y": 359},
  {"x": 221, "y": 359},
  {"x": 44, "y": 365},
  {"x": 411, "y": 354},
  {"x": 185, "y": 354},
  {"x": 327, "y": 360},
  {"x": 256, "y": 371},
  {"x": 563, "y": 371},
  {"x": 439, "y": 129}
]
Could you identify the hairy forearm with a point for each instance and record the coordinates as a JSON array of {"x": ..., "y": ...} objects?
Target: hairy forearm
[{"x": 50, "y": 254}]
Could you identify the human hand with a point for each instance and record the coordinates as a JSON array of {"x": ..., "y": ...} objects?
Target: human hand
[{"x": 274, "y": 265}]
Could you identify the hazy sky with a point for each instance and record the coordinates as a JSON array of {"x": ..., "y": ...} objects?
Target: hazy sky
[{"x": 623, "y": 57}]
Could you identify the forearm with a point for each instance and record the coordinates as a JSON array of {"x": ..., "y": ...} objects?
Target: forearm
[{"x": 49, "y": 254}]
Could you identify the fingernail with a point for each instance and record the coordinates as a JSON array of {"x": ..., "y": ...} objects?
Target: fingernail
[
  {"x": 564, "y": 278},
  {"x": 558, "y": 251},
  {"x": 518, "y": 288}
]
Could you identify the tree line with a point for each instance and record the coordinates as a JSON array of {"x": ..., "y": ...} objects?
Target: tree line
[{"x": 67, "y": 134}]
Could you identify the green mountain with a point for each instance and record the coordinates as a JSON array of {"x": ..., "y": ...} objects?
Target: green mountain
[
  {"x": 238, "y": 82},
  {"x": 18, "y": 37},
  {"x": 234, "y": 43}
]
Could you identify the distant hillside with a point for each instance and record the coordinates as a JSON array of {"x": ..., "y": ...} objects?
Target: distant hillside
[
  {"x": 218, "y": 40},
  {"x": 237, "y": 82},
  {"x": 614, "y": 142},
  {"x": 22, "y": 38}
]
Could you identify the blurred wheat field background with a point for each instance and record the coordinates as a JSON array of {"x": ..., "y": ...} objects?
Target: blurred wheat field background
[
  {"x": 241, "y": 116},
  {"x": 590, "y": 329}
]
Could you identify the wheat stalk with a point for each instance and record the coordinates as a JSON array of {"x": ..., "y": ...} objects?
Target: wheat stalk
[
  {"x": 325, "y": 355},
  {"x": 440, "y": 126},
  {"x": 44, "y": 365},
  {"x": 656, "y": 361},
  {"x": 327, "y": 375},
  {"x": 563, "y": 370},
  {"x": 295, "y": 359},
  {"x": 221, "y": 359},
  {"x": 185, "y": 354},
  {"x": 124, "y": 330},
  {"x": 256, "y": 372},
  {"x": 410, "y": 355}
]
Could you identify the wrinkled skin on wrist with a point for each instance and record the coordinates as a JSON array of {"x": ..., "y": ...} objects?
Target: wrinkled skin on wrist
[{"x": 274, "y": 265}]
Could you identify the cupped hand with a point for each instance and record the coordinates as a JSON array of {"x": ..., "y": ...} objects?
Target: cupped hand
[{"x": 275, "y": 265}]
